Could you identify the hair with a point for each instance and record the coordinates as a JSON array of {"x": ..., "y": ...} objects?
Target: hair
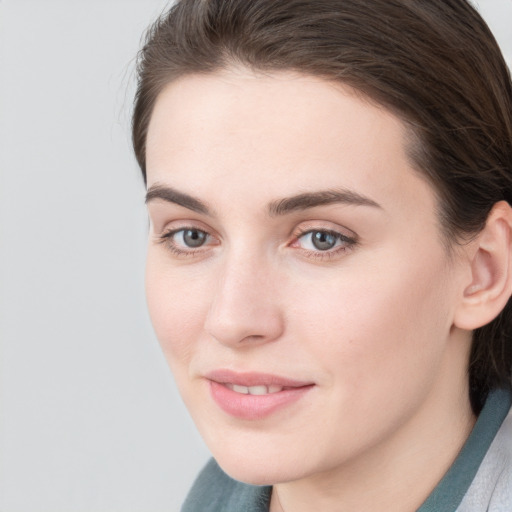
[{"x": 433, "y": 63}]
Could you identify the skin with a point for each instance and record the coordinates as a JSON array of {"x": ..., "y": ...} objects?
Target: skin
[{"x": 371, "y": 322}]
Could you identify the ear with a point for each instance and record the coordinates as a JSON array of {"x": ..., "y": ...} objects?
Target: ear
[{"x": 491, "y": 271}]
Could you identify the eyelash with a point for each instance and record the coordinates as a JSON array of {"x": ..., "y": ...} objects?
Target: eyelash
[
  {"x": 347, "y": 243},
  {"x": 167, "y": 239}
]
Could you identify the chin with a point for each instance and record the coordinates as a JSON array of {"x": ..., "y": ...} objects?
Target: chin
[
  {"x": 254, "y": 474},
  {"x": 261, "y": 466}
]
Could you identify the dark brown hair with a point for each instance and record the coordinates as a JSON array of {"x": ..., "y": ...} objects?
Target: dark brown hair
[{"x": 434, "y": 63}]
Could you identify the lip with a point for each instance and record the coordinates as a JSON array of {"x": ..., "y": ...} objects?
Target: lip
[{"x": 254, "y": 407}]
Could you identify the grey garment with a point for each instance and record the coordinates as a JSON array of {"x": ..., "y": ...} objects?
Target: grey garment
[
  {"x": 468, "y": 477},
  {"x": 480, "y": 479},
  {"x": 214, "y": 491},
  {"x": 491, "y": 490}
]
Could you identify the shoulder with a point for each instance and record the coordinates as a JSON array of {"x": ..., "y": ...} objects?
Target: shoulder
[
  {"x": 491, "y": 490},
  {"x": 213, "y": 491}
]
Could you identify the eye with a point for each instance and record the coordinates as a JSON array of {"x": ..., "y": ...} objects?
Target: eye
[
  {"x": 321, "y": 240},
  {"x": 186, "y": 241},
  {"x": 192, "y": 238}
]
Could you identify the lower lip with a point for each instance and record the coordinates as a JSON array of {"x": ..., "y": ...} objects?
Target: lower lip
[{"x": 254, "y": 407}]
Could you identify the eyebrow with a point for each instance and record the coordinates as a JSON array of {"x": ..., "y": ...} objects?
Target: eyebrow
[
  {"x": 172, "y": 195},
  {"x": 321, "y": 198},
  {"x": 275, "y": 208}
]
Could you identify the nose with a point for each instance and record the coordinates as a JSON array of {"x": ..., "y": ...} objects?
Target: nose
[{"x": 245, "y": 308}]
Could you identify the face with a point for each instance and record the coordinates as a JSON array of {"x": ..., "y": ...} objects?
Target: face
[{"x": 296, "y": 276}]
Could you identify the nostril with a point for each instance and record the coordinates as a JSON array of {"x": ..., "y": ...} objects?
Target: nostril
[{"x": 252, "y": 327}]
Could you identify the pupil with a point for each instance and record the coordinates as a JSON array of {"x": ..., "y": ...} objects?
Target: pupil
[
  {"x": 323, "y": 241},
  {"x": 194, "y": 238}
]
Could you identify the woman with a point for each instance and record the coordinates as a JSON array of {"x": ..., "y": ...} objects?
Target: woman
[{"x": 329, "y": 266}]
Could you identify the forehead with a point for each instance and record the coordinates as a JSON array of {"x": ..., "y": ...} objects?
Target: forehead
[{"x": 288, "y": 130}]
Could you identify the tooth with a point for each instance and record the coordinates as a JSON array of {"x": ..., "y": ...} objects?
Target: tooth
[
  {"x": 274, "y": 389},
  {"x": 240, "y": 389},
  {"x": 258, "y": 390}
]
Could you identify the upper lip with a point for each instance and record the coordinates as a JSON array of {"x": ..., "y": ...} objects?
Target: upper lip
[{"x": 224, "y": 376}]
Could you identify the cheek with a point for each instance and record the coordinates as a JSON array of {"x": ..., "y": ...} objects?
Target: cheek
[
  {"x": 176, "y": 308},
  {"x": 386, "y": 321}
]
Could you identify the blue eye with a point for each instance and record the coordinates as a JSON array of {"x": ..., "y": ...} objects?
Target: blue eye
[
  {"x": 322, "y": 240},
  {"x": 184, "y": 241},
  {"x": 192, "y": 238}
]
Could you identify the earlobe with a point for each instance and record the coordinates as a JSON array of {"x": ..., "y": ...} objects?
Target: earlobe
[{"x": 491, "y": 271}]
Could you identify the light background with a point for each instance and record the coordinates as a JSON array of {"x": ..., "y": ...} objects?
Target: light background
[{"x": 89, "y": 417}]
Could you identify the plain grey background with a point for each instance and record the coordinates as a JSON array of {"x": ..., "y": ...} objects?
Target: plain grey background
[{"x": 90, "y": 419}]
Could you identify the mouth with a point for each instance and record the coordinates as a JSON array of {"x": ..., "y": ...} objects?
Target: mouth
[
  {"x": 254, "y": 396},
  {"x": 255, "y": 390}
]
